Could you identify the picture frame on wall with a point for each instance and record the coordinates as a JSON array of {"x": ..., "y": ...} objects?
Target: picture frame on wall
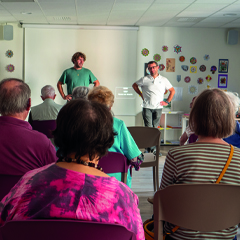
[
  {"x": 223, "y": 66},
  {"x": 222, "y": 80}
]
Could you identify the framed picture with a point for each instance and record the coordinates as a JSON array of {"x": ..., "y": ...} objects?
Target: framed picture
[
  {"x": 223, "y": 66},
  {"x": 222, "y": 80}
]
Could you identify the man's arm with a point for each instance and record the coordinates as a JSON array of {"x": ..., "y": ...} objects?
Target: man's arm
[
  {"x": 60, "y": 89},
  {"x": 170, "y": 97},
  {"x": 137, "y": 90},
  {"x": 96, "y": 83}
]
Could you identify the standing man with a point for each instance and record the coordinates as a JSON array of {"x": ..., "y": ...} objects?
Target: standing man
[
  {"x": 76, "y": 76},
  {"x": 153, "y": 87}
]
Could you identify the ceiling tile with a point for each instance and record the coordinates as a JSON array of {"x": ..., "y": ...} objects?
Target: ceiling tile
[{"x": 168, "y": 7}]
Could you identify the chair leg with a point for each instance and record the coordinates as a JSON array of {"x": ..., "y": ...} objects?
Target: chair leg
[
  {"x": 154, "y": 178},
  {"x": 157, "y": 177}
]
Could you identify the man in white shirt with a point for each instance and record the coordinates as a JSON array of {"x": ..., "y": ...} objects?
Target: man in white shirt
[{"x": 153, "y": 87}]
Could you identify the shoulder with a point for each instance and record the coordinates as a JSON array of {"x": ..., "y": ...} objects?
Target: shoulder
[{"x": 118, "y": 123}]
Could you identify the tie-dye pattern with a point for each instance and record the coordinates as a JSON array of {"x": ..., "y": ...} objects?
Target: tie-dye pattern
[{"x": 55, "y": 192}]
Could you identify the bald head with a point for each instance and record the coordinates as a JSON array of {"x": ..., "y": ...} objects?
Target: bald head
[{"x": 14, "y": 96}]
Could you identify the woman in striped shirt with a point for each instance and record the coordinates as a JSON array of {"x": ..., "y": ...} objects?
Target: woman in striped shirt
[{"x": 211, "y": 118}]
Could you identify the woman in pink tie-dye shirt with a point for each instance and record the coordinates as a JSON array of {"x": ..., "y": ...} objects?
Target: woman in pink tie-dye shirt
[{"x": 74, "y": 187}]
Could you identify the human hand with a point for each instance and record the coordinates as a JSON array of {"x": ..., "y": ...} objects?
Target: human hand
[
  {"x": 162, "y": 103},
  {"x": 68, "y": 97}
]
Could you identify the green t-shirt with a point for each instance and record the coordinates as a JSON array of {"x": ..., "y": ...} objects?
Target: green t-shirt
[{"x": 75, "y": 78}]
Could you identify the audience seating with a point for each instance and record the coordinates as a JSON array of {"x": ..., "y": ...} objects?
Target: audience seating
[
  {"x": 115, "y": 162},
  {"x": 7, "y": 182},
  {"x": 46, "y": 127},
  {"x": 146, "y": 137},
  {"x": 62, "y": 229},
  {"x": 200, "y": 207}
]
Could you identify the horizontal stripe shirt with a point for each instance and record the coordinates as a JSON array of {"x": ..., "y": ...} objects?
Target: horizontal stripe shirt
[{"x": 200, "y": 163}]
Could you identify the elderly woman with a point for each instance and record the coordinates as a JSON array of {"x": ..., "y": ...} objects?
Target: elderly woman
[
  {"x": 75, "y": 187},
  {"x": 80, "y": 92},
  {"x": 211, "y": 118},
  {"x": 123, "y": 142}
]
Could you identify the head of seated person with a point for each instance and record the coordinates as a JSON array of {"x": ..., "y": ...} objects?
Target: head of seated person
[
  {"x": 48, "y": 92},
  {"x": 102, "y": 95},
  {"x": 80, "y": 92},
  {"x": 212, "y": 114}
]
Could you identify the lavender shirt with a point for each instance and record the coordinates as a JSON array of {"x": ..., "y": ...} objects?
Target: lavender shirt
[{"x": 55, "y": 192}]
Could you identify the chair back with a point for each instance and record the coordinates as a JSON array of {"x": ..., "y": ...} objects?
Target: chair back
[
  {"x": 7, "y": 182},
  {"x": 115, "y": 162},
  {"x": 200, "y": 207},
  {"x": 145, "y": 136},
  {"x": 46, "y": 127},
  {"x": 61, "y": 229}
]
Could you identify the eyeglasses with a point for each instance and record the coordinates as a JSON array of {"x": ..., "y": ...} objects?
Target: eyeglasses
[{"x": 152, "y": 67}]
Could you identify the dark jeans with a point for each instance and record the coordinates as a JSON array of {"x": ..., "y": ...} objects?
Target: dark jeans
[{"x": 151, "y": 118}]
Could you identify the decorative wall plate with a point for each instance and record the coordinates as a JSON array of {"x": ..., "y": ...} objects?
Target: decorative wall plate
[
  {"x": 202, "y": 68},
  {"x": 193, "y": 69},
  {"x": 10, "y": 68},
  {"x": 192, "y": 89},
  {"x": 157, "y": 57},
  {"x": 9, "y": 53},
  {"x": 161, "y": 67},
  {"x": 213, "y": 69},
  {"x": 177, "y": 49},
  {"x": 145, "y": 52},
  {"x": 208, "y": 78},
  {"x": 206, "y": 57},
  {"x": 200, "y": 80},
  {"x": 164, "y": 48},
  {"x": 184, "y": 67},
  {"x": 182, "y": 59},
  {"x": 187, "y": 79},
  {"x": 193, "y": 60}
]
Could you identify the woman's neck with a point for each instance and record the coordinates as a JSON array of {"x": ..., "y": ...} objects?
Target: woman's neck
[{"x": 211, "y": 140}]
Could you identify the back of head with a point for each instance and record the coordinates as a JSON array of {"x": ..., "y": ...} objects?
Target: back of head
[
  {"x": 84, "y": 127},
  {"x": 48, "y": 91},
  {"x": 14, "y": 96},
  {"x": 102, "y": 95},
  {"x": 235, "y": 99},
  {"x": 212, "y": 114},
  {"x": 80, "y": 92}
]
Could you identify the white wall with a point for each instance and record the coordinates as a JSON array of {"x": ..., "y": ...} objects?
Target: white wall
[
  {"x": 111, "y": 56},
  {"x": 16, "y": 45},
  {"x": 195, "y": 42}
]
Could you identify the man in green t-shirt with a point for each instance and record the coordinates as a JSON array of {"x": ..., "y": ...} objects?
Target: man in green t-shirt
[{"x": 76, "y": 76}]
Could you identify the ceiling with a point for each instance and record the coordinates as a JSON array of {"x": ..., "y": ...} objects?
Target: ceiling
[{"x": 157, "y": 13}]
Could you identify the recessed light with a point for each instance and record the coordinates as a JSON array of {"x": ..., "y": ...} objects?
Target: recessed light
[{"x": 229, "y": 14}]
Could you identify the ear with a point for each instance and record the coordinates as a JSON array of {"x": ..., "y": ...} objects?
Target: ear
[
  {"x": 42, "y": 98},
  {"x": 28, "y": 104},
  {"x": 54, "y": 96}
]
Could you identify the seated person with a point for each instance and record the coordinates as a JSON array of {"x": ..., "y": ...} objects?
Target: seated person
[
  {"x": 123, "y": 142},
  {"x": 22, "y": 149},
  {"x": 80, "y": 92},
  {"x": 235, "y": 138},
  {"x": 75, "y": 187},
  {"x": 48, "y": 110},
  {"x": 188, "y": 132},
  {"x": 211, "y": 118}
]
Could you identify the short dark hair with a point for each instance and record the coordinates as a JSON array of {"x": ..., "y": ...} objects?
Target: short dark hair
[
  {"x": 151, "y": 62},
  {"x": 77, "y": 55},
  {"x": 84, "y": 127},
  {"x": 14, "y": 100},
  {"x": 212, "y": 114}
]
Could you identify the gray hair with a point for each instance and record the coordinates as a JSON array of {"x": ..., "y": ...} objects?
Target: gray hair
[
  {"x": 234, "y": 99},
  {"x": 48, "y": 91},
  {"x": 14, "y": 100},
  {"x": 80, "y": 92}
]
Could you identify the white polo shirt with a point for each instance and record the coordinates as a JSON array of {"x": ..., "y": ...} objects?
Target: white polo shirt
[{"x": 153, "y": 90}]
